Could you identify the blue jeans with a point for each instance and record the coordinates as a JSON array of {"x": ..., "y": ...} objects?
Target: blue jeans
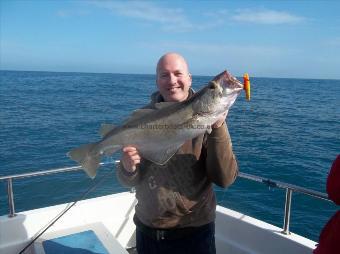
[{"x": 199, "y": 242}]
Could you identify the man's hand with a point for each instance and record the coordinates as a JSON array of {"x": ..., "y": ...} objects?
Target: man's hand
[
  {"x": 130, "y": 158},
  {"x": 220, "y": 121}
]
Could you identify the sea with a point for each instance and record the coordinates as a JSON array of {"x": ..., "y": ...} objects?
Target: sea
[{"x": 289, "y": 131}]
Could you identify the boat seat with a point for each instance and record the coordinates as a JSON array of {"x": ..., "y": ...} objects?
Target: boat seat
[{"x": 87, "y": 239}]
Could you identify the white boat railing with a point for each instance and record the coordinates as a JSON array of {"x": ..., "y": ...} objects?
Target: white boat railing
[{"x": 290, "y": 188}]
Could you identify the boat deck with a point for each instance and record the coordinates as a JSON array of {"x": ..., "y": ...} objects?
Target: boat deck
[{"x": 105, "y": 225}]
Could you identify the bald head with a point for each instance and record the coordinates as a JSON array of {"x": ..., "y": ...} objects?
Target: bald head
[{"x": 170, "y": 58}]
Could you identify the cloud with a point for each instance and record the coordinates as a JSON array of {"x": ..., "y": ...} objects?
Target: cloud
[
  {"x": 270, "y": 17},
  {"x": 177, "y": 19},
  {"x": 169, "y": 18}
]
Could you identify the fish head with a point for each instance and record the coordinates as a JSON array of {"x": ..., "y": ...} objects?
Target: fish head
[
  {"x": 226, "y": 84},
  {"x": 219, "y": 95},
  {"x": 226, "y": 87},
  {"x": 215, "y": 99}
]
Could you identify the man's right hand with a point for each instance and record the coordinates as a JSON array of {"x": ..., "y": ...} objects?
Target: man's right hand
[{"x": 130, "y": 158}]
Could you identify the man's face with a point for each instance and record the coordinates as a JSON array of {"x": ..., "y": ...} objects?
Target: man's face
[{"x": 173, "y": 78}]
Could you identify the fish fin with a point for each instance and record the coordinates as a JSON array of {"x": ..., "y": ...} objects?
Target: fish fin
[
  {"x": 112, "y": 150},
  {"x": 161, "y": 155},
  {"x": 164, "y": 104},
  {"x": 89, "y": 162},
  {"x": 105, "y": 128},
  {"x": 137, "y": 114}
]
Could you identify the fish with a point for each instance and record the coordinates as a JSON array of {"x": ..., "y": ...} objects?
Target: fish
[{"x": 158, "y": 133}]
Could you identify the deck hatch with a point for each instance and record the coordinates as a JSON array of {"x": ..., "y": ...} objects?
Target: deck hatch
[{"x": 85, "y": 242}]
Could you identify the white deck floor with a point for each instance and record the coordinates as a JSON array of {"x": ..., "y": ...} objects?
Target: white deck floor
[{"x": 110, "y": 217}]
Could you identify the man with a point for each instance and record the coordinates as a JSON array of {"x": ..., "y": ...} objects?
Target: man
[{"x": 176, "y": 202}]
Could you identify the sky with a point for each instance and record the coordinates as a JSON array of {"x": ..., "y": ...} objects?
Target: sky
[{"x": 287, "y": 39}]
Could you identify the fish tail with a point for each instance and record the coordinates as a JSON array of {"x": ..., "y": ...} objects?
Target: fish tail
[{"x": 89, "y": 161}]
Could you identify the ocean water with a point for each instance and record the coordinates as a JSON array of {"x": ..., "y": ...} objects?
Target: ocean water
[{"x": 289, "y": 131}]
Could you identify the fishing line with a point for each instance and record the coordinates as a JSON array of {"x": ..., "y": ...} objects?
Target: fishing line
[{"x": 68, "y": 207}]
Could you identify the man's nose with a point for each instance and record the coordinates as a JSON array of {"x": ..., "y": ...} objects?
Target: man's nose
[{"x": 173, "y": 78}]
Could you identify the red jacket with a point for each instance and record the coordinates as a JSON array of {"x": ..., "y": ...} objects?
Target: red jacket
[{"x": 329, "y": 241}]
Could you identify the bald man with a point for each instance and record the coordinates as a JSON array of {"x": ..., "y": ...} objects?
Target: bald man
[{"x": 176, "y": 205}]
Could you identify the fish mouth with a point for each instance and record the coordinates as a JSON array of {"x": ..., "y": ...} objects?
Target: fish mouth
[
  {"x": 238, "y": 89},
  {"x": 228, "y": 81}
]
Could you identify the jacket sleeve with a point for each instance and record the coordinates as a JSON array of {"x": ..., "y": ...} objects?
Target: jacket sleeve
[
  {"x": 221, "y": 164},
  {"x": 125, "y": 178}
]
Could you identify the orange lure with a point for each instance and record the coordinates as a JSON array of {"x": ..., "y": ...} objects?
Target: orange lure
[{"x": 246, "y": 84}]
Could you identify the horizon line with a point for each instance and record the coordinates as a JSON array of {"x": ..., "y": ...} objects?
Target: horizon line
[{"x": 199, "y": 75}]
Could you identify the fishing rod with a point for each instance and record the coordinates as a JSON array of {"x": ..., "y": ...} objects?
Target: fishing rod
[{"x": 62, "y": 213}]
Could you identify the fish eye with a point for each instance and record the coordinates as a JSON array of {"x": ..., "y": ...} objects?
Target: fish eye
[{"x": 212, "y": 85}]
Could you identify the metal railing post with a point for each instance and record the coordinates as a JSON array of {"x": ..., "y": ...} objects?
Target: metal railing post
[
  {"x": 10, "y": 198},
  {"x": 288, "y": 204}
]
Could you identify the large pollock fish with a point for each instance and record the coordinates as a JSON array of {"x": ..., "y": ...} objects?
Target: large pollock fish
[{"x": 158, "y": 133}]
